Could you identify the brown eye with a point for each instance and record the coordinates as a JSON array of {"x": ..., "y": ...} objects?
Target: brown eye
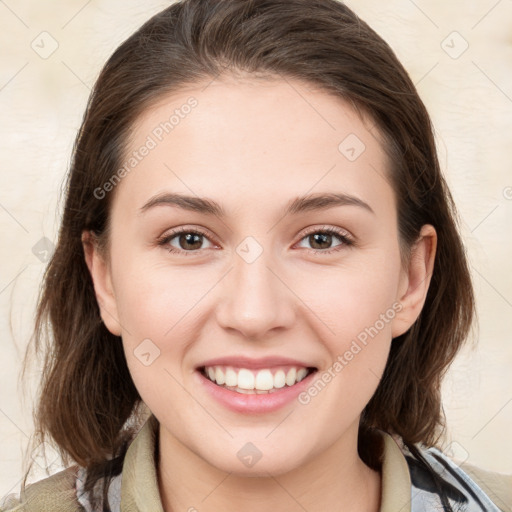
[
  {"x": 189, "y": 240},
  {"x": 321, "y": 240},
  {"x": 184, "y": 241}
]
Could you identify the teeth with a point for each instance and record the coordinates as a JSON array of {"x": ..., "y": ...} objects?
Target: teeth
[
  {"x": 245, "y": 378},
  {"x": 248, "y": 381},
  {"x": 264, "y": 380},
  {"x": 231, "y": 377},
  {"x": 219, "y": 376},
  {"x": 301, "y": 374},
  {"x": 291, "y": 377},
  {"x": 279, "y": 379}
]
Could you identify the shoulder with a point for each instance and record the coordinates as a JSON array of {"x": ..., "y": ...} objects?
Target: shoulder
[
  {"x": 56, "y": 493},
  {"x": 498, "y": 486},
  {"x": 463, "y": 484}
]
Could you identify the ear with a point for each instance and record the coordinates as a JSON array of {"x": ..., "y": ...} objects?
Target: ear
[
  {"x": 415, "y": 280},
  {"x": 102, "y": 280}
]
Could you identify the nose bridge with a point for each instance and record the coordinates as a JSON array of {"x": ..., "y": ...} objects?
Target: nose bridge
[{"x": 256, "y": 299}]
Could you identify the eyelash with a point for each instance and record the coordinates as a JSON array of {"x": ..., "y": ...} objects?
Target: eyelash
[{"x": 345, "y": 239}]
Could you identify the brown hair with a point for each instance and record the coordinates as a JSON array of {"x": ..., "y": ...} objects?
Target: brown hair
[{"x": 87, "y": 394}]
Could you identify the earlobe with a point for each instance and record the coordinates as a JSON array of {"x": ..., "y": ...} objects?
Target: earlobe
[
  {"x": 416, "y": 280},
  {"x": 102, "y": 281}
]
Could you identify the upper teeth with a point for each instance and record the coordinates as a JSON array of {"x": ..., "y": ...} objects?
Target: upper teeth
[{"x": 255, "y": 379}]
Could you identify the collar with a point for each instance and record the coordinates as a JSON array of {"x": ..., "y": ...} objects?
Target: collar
[{"x": 140, "y": 493}]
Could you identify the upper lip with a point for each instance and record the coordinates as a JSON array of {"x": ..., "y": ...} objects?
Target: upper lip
[{"x": 247, "y": 362}]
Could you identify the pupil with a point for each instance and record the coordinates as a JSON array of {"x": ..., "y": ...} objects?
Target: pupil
[
  {"x": 189, "y": 237},
  {"x": 324, "y": 238}
]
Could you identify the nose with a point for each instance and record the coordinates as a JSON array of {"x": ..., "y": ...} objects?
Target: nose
[{"x": 255, "y": 298}]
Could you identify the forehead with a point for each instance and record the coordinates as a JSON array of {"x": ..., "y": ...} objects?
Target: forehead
[{"x": 235, "y": 138}]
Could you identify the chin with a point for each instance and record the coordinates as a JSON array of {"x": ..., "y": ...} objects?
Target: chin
[{"x": 263, "y": 467}]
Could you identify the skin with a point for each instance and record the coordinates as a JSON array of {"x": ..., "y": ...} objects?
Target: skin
[{"x": 253, "y": 146}]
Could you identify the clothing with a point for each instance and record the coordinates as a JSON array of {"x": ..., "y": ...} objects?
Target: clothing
[{"x": 405, "y": 485}]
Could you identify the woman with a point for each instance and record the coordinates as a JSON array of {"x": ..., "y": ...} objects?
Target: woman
[{"x": 259, "y": 282}]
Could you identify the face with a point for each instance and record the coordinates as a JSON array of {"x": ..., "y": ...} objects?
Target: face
[{"x": 282, "y": 260}]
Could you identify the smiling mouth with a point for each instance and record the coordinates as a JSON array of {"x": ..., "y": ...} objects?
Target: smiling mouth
[{"x": 251, "y": 382}]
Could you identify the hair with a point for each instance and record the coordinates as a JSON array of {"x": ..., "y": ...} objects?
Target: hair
[{"x": 87, "y": 397}]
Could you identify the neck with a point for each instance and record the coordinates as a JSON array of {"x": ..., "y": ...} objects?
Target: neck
[{"x": 336, "y": 479}]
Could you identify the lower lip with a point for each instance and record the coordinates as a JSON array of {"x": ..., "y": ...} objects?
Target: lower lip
[{"x": 254, "y": 403}]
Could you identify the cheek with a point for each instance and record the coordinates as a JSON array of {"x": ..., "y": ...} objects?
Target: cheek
[
  {"x": 355, "y": 307},
  {"x": 348, "y": 300},
  {"x": 356, "y": 310},
  {"x": 156, "y": 309},
  {"x": 154, "y": 300}
]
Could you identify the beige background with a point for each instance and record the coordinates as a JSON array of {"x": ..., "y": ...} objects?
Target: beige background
[{"x": 469, "y": 96}]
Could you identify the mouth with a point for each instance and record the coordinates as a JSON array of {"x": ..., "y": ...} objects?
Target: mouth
[{"x": 256, "y": 381}]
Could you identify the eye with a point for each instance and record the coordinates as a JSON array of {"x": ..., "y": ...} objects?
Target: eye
[
  {"x": 189, "y": 241},
  {"x": 184, "y": 241},
  {"x": 321, "y": 240}
]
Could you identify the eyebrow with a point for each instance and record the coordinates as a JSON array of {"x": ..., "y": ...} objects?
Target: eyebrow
[{"x": 320, "y": 201}]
